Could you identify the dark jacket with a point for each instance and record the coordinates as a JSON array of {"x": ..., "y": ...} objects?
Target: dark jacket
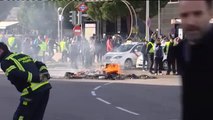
[
  {"x": 19, "y": 78},
  {"x": 149, "y": 46},
  {"x": 158, "y": 51},
  {"x": 196, "y": 69},
  {"x": 170, "y": 53}
]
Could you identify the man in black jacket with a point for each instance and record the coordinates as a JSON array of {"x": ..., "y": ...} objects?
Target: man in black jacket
[
  {"x": 150, "y": 54},
  {"x": 31, "y": 79},
  {"x": 169, "y": 51},
  {"x": 195, "y": 59}
]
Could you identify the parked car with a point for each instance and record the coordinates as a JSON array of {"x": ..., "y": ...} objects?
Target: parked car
[{"x": 126, "y": 54}]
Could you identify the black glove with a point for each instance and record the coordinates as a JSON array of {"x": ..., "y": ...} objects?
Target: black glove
[{"x": 44, "y": 76}]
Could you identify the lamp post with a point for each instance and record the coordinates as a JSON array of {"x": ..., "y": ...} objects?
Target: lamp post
[
  {"x": 159, "y": 19},
  {"x": 60, "y": 20},
  {"x": 147, "y": 20}
]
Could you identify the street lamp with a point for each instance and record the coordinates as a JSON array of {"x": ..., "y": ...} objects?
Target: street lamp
[
  {"x": 147, "y": 20},
  {"x": 60, "y": 19},
  {"x": 159, "y": 19}
]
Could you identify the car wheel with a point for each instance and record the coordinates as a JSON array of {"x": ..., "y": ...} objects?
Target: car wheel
[
  {"x": 128, "y": 64},
  {"x": 165, "y": 65}
]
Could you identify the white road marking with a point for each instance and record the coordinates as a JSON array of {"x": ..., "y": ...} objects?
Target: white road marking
[
  {"x": 107, "y": 83},
  {"x": 104, "y": 101},
  {"x": 93, "y": 93},
  {"x": 108, "y": 103},
  {"x": 97, "y": 88},
  {"x": 128, "y": 111}
]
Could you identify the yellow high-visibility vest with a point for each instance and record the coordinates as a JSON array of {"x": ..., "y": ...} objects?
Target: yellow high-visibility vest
[
  {"x": 167, "y": 47},
  {"x": 43, "y": 46},
  {"x": 63, "y": 46},
  {"x": 152, "y": 49},
  {"x": 11, "y": 41}
]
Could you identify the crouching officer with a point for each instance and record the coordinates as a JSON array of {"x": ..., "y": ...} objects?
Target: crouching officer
[{"x": 31, "y": 79}]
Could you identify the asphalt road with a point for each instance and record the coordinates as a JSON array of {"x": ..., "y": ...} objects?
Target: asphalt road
[{"x": 73, "y": 100}]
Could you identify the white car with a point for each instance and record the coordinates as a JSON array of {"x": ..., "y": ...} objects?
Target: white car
[{"x": 126, "y": 55}]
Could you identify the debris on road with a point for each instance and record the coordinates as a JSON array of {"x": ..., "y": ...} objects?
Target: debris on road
[
  {"x": 109, "y": 72},
  {"x": 92, "y": 75}
]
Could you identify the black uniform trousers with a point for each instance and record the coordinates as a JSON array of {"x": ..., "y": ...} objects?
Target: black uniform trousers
[
  {"x": 158, "y": 64},
  {"x": 32, "y": 107},
  {"x": 150, "y": 61},
  {"x": 171, "y": 65}
]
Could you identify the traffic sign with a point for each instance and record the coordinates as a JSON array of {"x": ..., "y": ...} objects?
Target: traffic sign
[
  {"x": 77, "y": 30},
  {"x": 82, "y": 7}
]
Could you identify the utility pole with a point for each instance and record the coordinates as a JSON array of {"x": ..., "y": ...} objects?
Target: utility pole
[
  {"x": 147, "y": 20},
  {"x": 159, "y": 19}
]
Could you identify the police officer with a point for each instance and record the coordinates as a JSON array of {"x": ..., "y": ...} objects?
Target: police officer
[
  {"x": 31, "y": 79},
  {"x": 12, "y": 43},
  {"x": 63, "y": 49},
  {"x": 150, "y": 53},
  {"x": 158, "y": 57},
  {"x": 43, "y": 49},
  {"x": 169, "y": 51},
  {"x": 145, "y": 57}
]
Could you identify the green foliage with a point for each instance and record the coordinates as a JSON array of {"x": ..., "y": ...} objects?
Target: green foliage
[
  {"x": 36, "y": 15},
  {"x": 94, "y": 10},
  {"x": 42, "y": 15},
  {"x": 111, "y": 10}
]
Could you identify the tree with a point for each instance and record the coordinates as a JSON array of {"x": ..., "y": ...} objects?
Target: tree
[
  {"x": 113, "y": 9},
  {"x": 42, "y": 15},
  {"x": 110, "y": 10},
  {"x": 37, "y": 15}
]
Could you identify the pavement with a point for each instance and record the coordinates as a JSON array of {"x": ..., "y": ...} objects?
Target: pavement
[
  {"x": 84, "y": 99},
  {"x": 100, "y": 100}
]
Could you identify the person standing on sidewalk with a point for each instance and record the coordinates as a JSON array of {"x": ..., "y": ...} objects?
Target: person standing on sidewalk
[
  {"x": 195, "y": 59},
  {"x": 158, "y": 56},
  {"x": 109, "y": 45},
  {"x": 169, "y": 51},
  {"x": 150, "y": 53},
  {"x": 145, "y": 57}
]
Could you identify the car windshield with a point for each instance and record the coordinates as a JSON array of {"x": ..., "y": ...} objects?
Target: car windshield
[{"x": 123, "y": 48}]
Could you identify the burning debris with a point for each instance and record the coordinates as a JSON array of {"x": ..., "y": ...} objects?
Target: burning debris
[{"x": 109, "y": 72}]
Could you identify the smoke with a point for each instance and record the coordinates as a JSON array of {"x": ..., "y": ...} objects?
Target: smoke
[
  {"x": 38, "y": 15},
  {"x": 39, "y": 18}
]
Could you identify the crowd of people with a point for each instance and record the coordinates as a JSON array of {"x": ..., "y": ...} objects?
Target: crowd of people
[
  {"x": 158, "y": 50},
  {"x": 77, "y": 50},
  {"x": 80, "y": 51}
]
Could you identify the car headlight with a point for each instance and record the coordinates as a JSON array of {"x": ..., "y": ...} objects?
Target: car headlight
[{"x": 118, "y": 57}]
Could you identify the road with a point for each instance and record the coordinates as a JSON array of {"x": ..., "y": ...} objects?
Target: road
[{"x": 101, "y": 100}]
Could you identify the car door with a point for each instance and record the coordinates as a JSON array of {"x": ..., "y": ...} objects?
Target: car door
[{"x": 136, "y": 52}]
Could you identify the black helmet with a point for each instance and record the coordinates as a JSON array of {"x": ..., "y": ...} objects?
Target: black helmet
[
  {"x": 5, "y": 49},
  {"x": 3, "y": 46}
]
